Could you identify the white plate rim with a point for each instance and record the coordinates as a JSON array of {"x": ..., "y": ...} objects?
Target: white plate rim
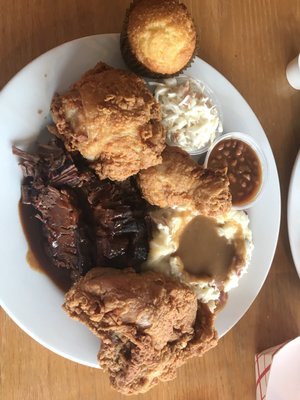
[
  {"x": 293, "y": 211},
  {"x": 277, "y": 216}
]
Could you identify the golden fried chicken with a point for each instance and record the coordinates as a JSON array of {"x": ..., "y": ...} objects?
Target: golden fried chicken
[
  {"x": 149, "y": 324},
  {"x": 180, "y": 181},
  {"x": 112, "y": 119}
]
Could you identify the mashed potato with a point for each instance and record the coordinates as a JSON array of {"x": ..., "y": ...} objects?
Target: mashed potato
[{"x": 163, "y": 257}]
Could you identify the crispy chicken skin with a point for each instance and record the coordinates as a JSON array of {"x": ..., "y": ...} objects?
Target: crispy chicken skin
[
  {"x": 179, "y": 181},
  {"x": 112, "y": 119},
  {"x": 149, "y": 324}
]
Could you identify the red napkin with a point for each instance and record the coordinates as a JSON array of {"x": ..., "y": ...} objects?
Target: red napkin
[{"x": 263, "y": 362}]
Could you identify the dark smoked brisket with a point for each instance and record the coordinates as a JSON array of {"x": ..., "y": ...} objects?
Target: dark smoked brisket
[
  {"x": 121, "y": 226},
  {"x": 65, "y": 233},
  {"x": 85, "y": 222},
  {"x": 50, "y": 179}
]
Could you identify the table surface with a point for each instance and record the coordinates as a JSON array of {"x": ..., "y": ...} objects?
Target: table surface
[{"x": 250, "y": 42}]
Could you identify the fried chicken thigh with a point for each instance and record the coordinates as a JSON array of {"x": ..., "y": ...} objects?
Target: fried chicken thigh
[
  {"x": 112, "y": 119},
  {"x": 149, "y": 324},
  {"x": 180, "y": 181}
]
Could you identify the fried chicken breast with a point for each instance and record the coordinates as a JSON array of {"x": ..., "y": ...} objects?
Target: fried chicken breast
[
  {"x": 149, "y": 324},
  {"x": 179, "y": 181},
  {"x": 112, "y": 119}
]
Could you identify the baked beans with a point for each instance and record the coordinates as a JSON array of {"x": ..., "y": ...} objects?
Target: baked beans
[{"x": 243, "y": 168}]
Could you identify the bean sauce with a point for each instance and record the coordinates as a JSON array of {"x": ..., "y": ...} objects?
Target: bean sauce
[{"x": 243, "y": 168}]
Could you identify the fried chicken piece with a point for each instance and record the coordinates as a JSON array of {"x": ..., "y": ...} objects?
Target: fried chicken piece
[
  {"x": 180, "y": 181},
  {"x": 112, "y": 119},
  {"x": 149, "y": 324}
]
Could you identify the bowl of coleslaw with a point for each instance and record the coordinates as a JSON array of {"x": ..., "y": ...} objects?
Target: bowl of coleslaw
[{"x": 190, "y": 112}]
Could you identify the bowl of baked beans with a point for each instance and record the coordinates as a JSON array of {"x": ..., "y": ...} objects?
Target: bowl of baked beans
[{"x": 246, "y": 167}]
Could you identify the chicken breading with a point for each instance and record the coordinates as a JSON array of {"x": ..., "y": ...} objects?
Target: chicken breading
[
  {"x": 149, "y": 324},
  {"x": 180, "y": 181},
  {"x": 112, "y": 119}
]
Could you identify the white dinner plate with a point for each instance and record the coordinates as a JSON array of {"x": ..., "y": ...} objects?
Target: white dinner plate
[
  {"x": 28, "y": 296},
  {"x": 293, "y": 213}
]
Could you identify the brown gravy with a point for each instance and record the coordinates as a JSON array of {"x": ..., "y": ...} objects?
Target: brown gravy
[
  {"x": 203, "y": 252},
  {"x": 36, "y": 256}
]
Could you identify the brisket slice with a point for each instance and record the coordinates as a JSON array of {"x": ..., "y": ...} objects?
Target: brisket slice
[
  {"x": 86, "y": 222},
  {"x": 52, "y": 165},
  {"x": 50, "y": 177},
  {"x": 120, "y": 222},
  {"x": 66, "y": 239}
]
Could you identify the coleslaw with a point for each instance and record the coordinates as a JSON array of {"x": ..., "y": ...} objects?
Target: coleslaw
[{"x": 189, "y": 114}]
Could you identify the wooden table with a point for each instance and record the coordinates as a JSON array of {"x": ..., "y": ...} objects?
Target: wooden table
[{"x": 250, "y": 42}]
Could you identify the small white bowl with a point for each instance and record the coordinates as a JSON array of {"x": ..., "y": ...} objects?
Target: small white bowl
[{"x": 263, "y": 162}]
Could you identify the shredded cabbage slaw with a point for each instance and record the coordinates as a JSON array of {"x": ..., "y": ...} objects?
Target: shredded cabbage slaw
[{"x": 189, "y": 115}]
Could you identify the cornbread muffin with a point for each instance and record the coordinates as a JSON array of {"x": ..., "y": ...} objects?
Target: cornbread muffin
[{"x": 158, "y": 37}]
